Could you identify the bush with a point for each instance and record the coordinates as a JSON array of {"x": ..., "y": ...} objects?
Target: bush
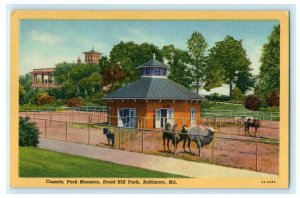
[
  {"x": 217, "y": 97},
  {"x": 252, "y": 102},
  {"x": 44, "y": 98},
  {"x": 237, "y": 95},
  {"x": 273, "y": 99},
  {"x": 28, "y": 133},
  {"x": 74, "y": 102},
  {"x": 58, "y": 102}
]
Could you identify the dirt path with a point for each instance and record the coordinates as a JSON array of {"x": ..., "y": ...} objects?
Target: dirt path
[{"x": 152, "y": 162}]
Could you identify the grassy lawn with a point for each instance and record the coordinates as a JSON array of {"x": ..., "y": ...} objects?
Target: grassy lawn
[
  {"x": 213, "y": 106},
  {"x": 233, "y": 110},
  {"x": 35, "y": 162}
]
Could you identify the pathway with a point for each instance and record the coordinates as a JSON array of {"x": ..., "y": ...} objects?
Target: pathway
[{"x": 152, "y": 162}]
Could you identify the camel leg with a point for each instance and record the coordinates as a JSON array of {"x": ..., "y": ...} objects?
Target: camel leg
[
  {"x": 168, "y": 142},
  {"x": 184, "y": 145},
  {"x": 189, "y": 145}
]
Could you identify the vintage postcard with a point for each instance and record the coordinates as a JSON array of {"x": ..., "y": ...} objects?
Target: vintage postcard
[{"x": 149, "y": 99}]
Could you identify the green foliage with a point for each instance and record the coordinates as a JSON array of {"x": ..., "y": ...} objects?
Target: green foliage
[
  {"x": 28, "y": 132},
  {"x": 225, "y": 61},
  {"x": 270, "y": 109},
  {"x": 217, "y": 97},
  {"x": 44, "y": 98},
  {"x": 96, "y": 99},
  {"x": 35, "y": 162},
  {"x": 130, "y": 55},
  {"x": 214, "y": 106},
  {"x": 197, "y": 47},
  {"x": 237, "y": 95},
  {"x": 273, "y": 99},
  {"x": 252, "y": 102},
  {"x": 269, "y": 71},
  {"x": 244, "y": 81},
  {"x": 76, "y": 80},
  {"x": 75, "y": 102},
  {"x": 178, "y": 61}
]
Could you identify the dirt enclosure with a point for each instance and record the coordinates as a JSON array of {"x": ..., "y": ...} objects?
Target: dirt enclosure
[{"x": 230, "y": 147}]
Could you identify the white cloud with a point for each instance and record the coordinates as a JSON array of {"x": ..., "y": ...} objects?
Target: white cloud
[{"x": 44, "y": 37}]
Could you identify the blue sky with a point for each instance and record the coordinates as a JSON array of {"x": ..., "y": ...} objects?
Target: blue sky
[{"x": 44, "y": 43}]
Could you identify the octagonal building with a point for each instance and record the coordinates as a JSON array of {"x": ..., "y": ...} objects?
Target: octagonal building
[{"x": 153, "y": 100}]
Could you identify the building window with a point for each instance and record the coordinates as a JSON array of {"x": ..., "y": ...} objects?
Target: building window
[
  {"x": 126, "y": 117},
  {"x": 163, "y": 71},
  {"x": 148, "y": 71},
  {"x": 156, "y": 71},
  {"x": 193, "y": 116}
]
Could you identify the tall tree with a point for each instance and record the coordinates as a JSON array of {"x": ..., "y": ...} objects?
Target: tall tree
[
  {"x": 227, "y": 59},
  {"x": 130, "y": 55},
  {"x": 269, "y": 71},
  {"x": 77, "y": 79},
  {"x": 244, "y": 81},
  {"x": 197, "y": 47},
  {"x": 178, "y": 61}
]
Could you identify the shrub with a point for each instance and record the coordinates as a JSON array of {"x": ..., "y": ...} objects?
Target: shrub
[
  {"x": 28, "y": 133},
  {"x": 252, "y": 102},
  {"x": 273, "y": 99},
  {"x": 74, "y": 102},
  {"x": 44, "y": 98},
  {"x": 237, "y": 95},
  {"x": 217, "y": 97}
]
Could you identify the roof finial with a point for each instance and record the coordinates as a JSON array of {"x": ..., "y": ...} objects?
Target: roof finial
[
  {"x": 154, "y": 56},
  {"x": 93, "y": 47}
]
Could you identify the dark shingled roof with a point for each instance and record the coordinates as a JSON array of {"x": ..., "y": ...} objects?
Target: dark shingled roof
[
  {"x": 154, "y": 88},
  {"x": 153, "y": 63}
]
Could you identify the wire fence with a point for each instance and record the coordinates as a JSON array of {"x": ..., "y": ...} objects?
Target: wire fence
[
  {"x": 225, "y": 149},
  {"x": 274, "y": 116}
]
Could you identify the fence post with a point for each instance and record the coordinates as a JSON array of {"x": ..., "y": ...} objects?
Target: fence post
[
  {"x": 45, "y": 129},
  {"x": 213, "y": 150},
  {"x": 142, "y": 140},
  {"x": 239, "y": 127},
  {"x": 119, "y": 133},
  {"x": 220, "y": 125},
  {"x": 89, "y": 134},
  {"x": 256, "y": 155},
  {"x": 66, "y": 131}
]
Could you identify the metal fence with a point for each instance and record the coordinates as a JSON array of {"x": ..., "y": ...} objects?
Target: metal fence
[
  {"x": 268, "y": 128},
  {"x": 228, "y": 150},
  {"x": 275, "y": 116}
]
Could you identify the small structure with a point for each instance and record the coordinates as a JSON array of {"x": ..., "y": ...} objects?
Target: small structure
[
  {"x": 153, "y": 100},
  {"x": 92, "y": 56},
  {"x": 43, "y": 78}
]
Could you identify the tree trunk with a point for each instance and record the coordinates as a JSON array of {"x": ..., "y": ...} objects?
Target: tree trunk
[{"x": 230, "y": 89}]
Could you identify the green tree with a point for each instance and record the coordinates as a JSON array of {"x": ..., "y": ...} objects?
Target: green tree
[
  {"x": 130, "y": 55},
  {"x": 226, "y": 60},
  {"x": 76, "y": 80},
  {"x": 269, "y": 71},
  {"x": 178, "y": 61},
  {"x": 244, "y": 81},
  {"x": 197, "y": 47}
]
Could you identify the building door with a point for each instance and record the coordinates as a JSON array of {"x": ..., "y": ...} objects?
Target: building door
[
  {"x": 126, "y": 118},
  {"x": 163, "y": 116}
]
